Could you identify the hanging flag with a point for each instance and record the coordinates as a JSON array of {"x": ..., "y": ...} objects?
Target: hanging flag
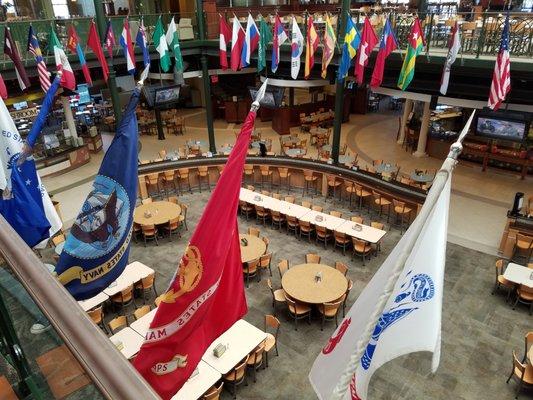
[
  {"x": 96, "y": 250},
  {"x": 73, "y": 44},
  {"x": 35, "y": 49},
  {"x": 127, "y": 46},
  {"x": 311, "y": 46},
  {"x": 349, "y": 48},
  {"x": 387, "y": 45},
  {"x": 110, "y": 41},
  {"x": 93, "y": 42},
  {"x": 174, "y": 44},
  {"x": 453, "y": 49},
  {"x": 414, "y": 48},
  {"x": 501, "y": 77},
  {"x": 11, "y": 51},
  {"x": 237, "y": 41},
  {"x": 224, "y": 38},
  {"x": 368, "y": 42},
  {"x": 142, "y": 42},
  {"x": 251, "y": 41},
  {"x": 297, "y": 46},
  {"x": 265, "y": 38},
  {"x": 3, "y": 90},
  {"x": 160, "y": 43},
  {"x": 328, "y": 46},
  {"x": 62, "y": 64},
  {"x": 24, "y": 203},
  {"x": 206, "y": 296},
  {"x": 280, "y": 37}
]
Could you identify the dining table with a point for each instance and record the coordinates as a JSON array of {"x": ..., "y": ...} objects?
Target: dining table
[
  {"x": 386, "y": 168},
  {"x": 133, "y": 273},
  {"x": 422, "y": 177},
  {"x": 156, "y": 213},
  {"x": 252, "y": 247},
  {"x": 127, "y": 341},
  {"x": 519, "y": 274},
  {"x": 201, "y": 380}
]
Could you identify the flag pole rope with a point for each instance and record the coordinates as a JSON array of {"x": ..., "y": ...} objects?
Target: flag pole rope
[{"x": 438, "y": 185}]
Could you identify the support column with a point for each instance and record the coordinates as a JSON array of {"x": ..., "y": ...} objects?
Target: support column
[
  {"x": 339, "y": 87},
  {"x": 424, "y": 128},
  {"x": 101, "y": 23},
  {"x": 407, "y": 107},
  {"x": 291, "y": 97},
  {"x": 69, "y": 118}
]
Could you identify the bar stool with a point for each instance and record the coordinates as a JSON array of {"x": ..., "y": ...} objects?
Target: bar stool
[
  {"x": 152, "y": 180},
  {"x": 168, "y": 180},
  {"x": 350, "y": 190},
  {"x": 362, "y": 194},
  {"x": 401, "y": 210},
  {"x": 381, "y": 202},
  {"x": 249, "y": 174},
  {"x": 310, "y": 181},
  {"x": 333, "y": 184},
  {"x": 184, "y": 175},
  {"x": 203, "y": 174},
  {"x": 284, "y": 174},
  {"x": 524, "y": 244},
  {"x": 266, "y": 174}
]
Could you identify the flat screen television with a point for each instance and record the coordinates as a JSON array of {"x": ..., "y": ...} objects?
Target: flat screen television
[
  {"x": 272, "y": 98},
  {"x": 166, "y": 95},
  {"x": 503, "y": 128},
  {"x": 20, "y": 106}
]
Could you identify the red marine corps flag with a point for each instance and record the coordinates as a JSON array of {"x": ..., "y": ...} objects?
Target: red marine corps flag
[{"x": 206, "y": 296}]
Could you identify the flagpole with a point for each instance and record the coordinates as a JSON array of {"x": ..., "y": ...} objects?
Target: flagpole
[{"x": 439, "y": 183}]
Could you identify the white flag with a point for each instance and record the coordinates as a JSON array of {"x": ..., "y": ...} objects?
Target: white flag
[
  {"x": 10, "y": 145},
  {"x": 455, "y": 45},
  {"x": 411, "y": 320},
  {"x": 297, "y": 46}
]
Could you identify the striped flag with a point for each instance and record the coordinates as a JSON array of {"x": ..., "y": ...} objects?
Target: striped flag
[
  {"x": 142, "y": 41},
  {"x": 454, "y": 46},
  {"x": 34, "y": 48},
  {"x": 68, "y": 80},
  {"x": 73, "y": 44},
  {"x": 501, "y": 77},
  {"x": 225, "y": 36},
  {"x": 280, "y": 37},
  {"x": 127, "y": 45},
  {"x": 251, "y": 41},
  {"x": 11, "y": 51},
  {"x": 237, "y": 41},
  {"x": 311, "y": 46},
  {"x": 110, "y": 41},
  {"x": 329, "y": 47}
]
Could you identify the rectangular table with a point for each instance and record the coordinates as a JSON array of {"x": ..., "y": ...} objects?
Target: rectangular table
[
  {"x": 367, "y": 233},
  {"x": 197, "y": 385},
  {"x": 327, "y": 221},
  {"x": 130, "y": 339},
  {"x": 240, "y": 340},
  {"x": 88, "y": 304},
  {"x": 519, "y": 274},
  {"x": 142, "y": 325},
  {"x": 133, "y": 272}
]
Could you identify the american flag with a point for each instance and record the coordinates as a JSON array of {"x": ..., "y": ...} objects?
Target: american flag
[
  {"x": 501, "y": 77},
  {"x": 33, "y": 48}
]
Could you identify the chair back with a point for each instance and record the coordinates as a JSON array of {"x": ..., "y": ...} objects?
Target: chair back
[
  {"x": 168, "y": 175},
  {"x": 183, "y": 173},
  {"x": 312, "y": 258},
  {"x": 214, "y": 392},
  {"x": 332, "y": 308},
  {"x": 306, "y": 204},
  {"x": 304, "y": 226},
  {"x": 254, "y": 231},
  {"x": 377, "y": 225},
  {"x": 174, "y": 199},
  {"x": 272, "y": 322},
  {"x": 283, "y": 266},
  {"x": 97, "y": 315},
  {"x": 118, "y": 323},
  {"x": 499, "y": 268},
  {"x": 148, "y": 282},
  {"x": 152, "y": 179},
  {"x": 337, "y": 214},
  {"x": 399, "y": 206},
  {"x": 148, "y": 230},
  {"x": 526, "y": 241},
  {"x": 248, "y": 170},
  {"x": 238, "y": 372},
  {"x": 289, "y": 199},
  {"x": 321, "y": 231},
  {"x": 127, "y": 294},
  {"x": 283, "y": 172},
  {"x": 141, "y": 311},
  {"x": 291, "y": 304},
  {"x": 257, "y": 356},
  {"x": 518, "y": 367},
  {"x": 339, "y": 236},
  {"x": 526, "y": 289},
  {"x": 251, "y": 266},
  {"x": 202, "y": 171},
  {"x": 277, "y": 196},
  {"x": 357, "y": 219},
  {"x": 264, "y": 260},
  {"x": 173, "y": 223},
  {"x": 317, "y": 208},
  {"x": 341, "y": 267},
  {"x": 147, "y": 200},
  {"x": 360, "y": 245}
]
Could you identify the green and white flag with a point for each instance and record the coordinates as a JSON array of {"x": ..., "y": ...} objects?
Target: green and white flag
[
  {"x": 174, "y": 44},
  {"x": 160, "y": 43},
  {"x": 265, "y": 37}
]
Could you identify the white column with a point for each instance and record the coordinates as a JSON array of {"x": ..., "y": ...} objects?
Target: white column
[
  {"x": 407, "y": 107},
  {"x": 69, "y": 118},
  {"x": 424, "y": 128}
]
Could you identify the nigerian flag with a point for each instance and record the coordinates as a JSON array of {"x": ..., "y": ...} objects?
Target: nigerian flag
[
  {"x": 265, "y": 37},
  {"x": 160, "y": 43},
  {"x": 415, "y": 47},
  {"x": 174, "y": 44}
]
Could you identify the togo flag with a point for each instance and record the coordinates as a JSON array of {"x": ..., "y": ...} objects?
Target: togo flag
[{"x": 97, "y": 249}]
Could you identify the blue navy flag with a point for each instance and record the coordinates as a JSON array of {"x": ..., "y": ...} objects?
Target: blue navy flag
[{"x": 97, "y": 249}]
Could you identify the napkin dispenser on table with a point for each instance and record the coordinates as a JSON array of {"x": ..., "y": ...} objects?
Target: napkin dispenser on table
[{"x": 219, "y": 350}]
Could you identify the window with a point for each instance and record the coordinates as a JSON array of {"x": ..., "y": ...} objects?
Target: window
[{"x": 60, "y": 8}]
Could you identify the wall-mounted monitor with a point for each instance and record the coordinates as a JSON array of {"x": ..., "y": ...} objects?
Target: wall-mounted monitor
[
  {"x": 502, "y": 126},
  {"x": 167, "y": 95},
  {"x": 272, "y": 98},
  {"x": 20, "y": 106}
]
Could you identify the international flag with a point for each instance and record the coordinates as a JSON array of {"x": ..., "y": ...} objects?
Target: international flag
[
  {"x": 93, "y": 42},
  {"x": 142, "y": 42},
  {"x": 35, "y": 49},
  {"x": 62, "y": 64},
  {"x": 453, "y": 49},
  {"x": 251, "y": 41},
  {"x": 311, "y": 46},
  {"x": 280, "y": 37},
  {"x": 414, "y": 48},
  {"x": 409, "y": 319},
  {"x": 3, "y": 89},
  {"x": 24, "y": 203},
  {"x": 207, "y": 295},
  {"x": 349, "y": 48},
  {"x": 501, "y": 77},
  {"x": 237, "y": 41},
  {"x": 73, "y": 44},
  {"x": 265, "y": 38},
  {"x": 224, "y": 38},
  {"x": 10, "y": 50},
  {"x": 97, "y": 249},
  {"x": 297, "y": 47},
  {"x": 174, "y": 44},
  {"x": 127, "y": 47},
  {"x": 110, "y": 41},
  {"x": 160, "y": 43},
  {"x": 368, "y": 42},
  {"x": 387, "y": 45},
  {"x": 328, "y": 49}
]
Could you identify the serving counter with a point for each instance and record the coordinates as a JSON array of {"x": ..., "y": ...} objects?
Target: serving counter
[{"x": 515, "y": 225}]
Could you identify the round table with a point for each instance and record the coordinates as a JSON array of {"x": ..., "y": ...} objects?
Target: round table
[
  {"x": 225, "y": 150},
  {"x": 386, "y": 168},
  {"x": 299, "y": 283},
  {"x": 346, "y": 159},
  {"x": 422, "y": 178},
  {"x": 162, "y": 212},
  {"x": 294, "y": 152},
  {"x": 254, "y": 249}
]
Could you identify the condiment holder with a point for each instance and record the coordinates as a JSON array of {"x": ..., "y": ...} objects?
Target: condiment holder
[
  {"x": 219, "y": 350},
  {"x": 258, "y": 198},
  {"x": 147, "y": 214},
  {"x": 357, "y": 227},
  {"x": 319, "y": 218}
]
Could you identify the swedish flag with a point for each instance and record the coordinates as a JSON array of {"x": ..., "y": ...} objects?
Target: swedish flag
[{"x": 349, "y": 48}]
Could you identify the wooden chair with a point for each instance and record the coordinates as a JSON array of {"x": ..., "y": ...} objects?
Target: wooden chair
[
  {"x": 141, "y": 312},
  {"x": 146, "y": 285},
  {"x": 124, "y": 298},
  {"x": 262, "y": 214},
  {"x": 174, "y": 200},
  {"x": 341, "y": 267},
  {"x": 317, "y": 208},
  {"x": 330, "y": 311},
  {"x": 333, "y": 183},
  {"x": 250, "y": 270},
  {"x": 501, "y": 281},
  {"x": 337, "y": 214},
  {"x": 249, "y": 174},
  {"x": 266, "y": 241},
  {"x": 254, "y": 231},
  {"x": 381, "y": 202},
  {"x": 401, "y": 210},
  {"x": 304, "y": 229},
  {"x": 184, "y": 177},
  {"x": 183, "y": 216},
  {"x": 349, "y": 187},
  {"x": 276, "y": 196},
  {"x": 361, "y": 248},
  {"x": 284, "y": 177},
  {"x": 272, "y": 339},
  {"x": 341, "y": 240},
  {"x": 149, "y": 233},
  {"x": 322, "y": 235},
  {"x": 524, "y": 295},
  {"x": 169, "y": 181},
  {"x": 306, "y": 204},
  {"x": 278, "y": 295},
  {"x": 361, "y": 193},
  {"x": 528, "y": 341},
  {"x": 283, "y": 266},
  {"x": 312, "y": 258},
  {"x": 298, "y": 311},
  {"x": 266, "y": 175},
  {"x": 277, "y": 219},
  {"x": 117, "y": 323},
  {"x": 523, "y": 247},
  {"x": 152, "y": 180},
  {"x": 148, "y": 200},
  {"x": 350, "y": 287},
  {"x": 246, "y": 209},
  {"x": 173, "y": 226},
  {"x": 523, "y": 373},
  {"x": 213, "y": 393},
  {"x": 381, "y": 227},
  {"x": 203, "y": 175},
  {"x": 236, "y": 376},
  {"x": 289, "y": 199},
  {"x": 97, "y": 315},
  {"x": 265, "y": 260},
  {"x": 357, "y": 219},
  {"x": 310, "y": 182},
  {"x": 255, "y": 359}
]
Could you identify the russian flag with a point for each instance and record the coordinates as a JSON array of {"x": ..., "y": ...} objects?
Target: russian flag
[
  {"x": 251, "y": 40},
  {"x": 280, "y": 37},
  {"x": 127, "y": 46}
]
